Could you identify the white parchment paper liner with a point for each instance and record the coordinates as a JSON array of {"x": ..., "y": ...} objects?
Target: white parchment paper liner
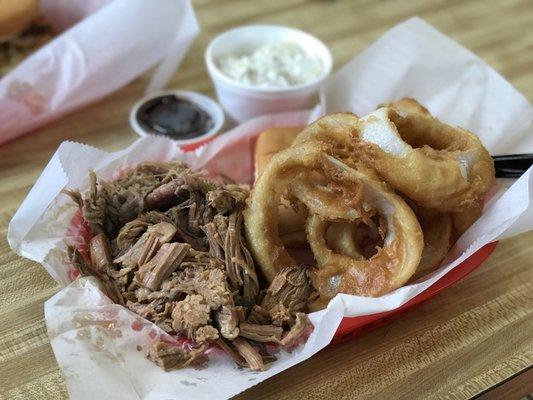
[
  {"x": 99, "y": 356},
  {"x": 108, "y": 43}
]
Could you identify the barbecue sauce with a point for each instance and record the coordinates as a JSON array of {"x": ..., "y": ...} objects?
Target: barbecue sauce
[{"x": 174, "y": 117}]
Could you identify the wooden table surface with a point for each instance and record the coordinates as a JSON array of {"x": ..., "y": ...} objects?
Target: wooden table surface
[{"x": 475, "y": 340}]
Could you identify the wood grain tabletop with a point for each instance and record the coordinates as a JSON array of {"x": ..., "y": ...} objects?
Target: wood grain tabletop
[{"x": 475, "y": 340}]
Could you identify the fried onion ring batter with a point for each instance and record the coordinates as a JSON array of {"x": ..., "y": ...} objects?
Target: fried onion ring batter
[
  {"x": 341, "y": 237},
  {"x": 437, "y": 230},
  {"x": 261, "y": 215},
  {"x": 353, "y": 240},
  {"x": 465, "y": 219},
  {"x": 434, "y": 164},
  {"x": 390, "y": 267}
]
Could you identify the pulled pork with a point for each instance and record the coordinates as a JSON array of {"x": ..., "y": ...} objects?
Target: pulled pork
[
  {"x": 170, "y": 357},
  {"x": 169, "y": 244}
]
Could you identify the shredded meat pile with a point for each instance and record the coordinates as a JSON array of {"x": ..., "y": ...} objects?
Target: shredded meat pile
[{"x": 168, "y": 244}]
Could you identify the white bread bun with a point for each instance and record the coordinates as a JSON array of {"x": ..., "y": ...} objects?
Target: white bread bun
[{"x": 270, "y": 142}]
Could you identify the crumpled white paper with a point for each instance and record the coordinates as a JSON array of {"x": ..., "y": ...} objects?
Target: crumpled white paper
[
  {"x": 114, "y": 42},
  {"x": 94, "y": 341}
]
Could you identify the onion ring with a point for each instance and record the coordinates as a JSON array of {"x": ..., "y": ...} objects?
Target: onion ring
[
  {"x": 438, "y": 235},
  {"x": 434, "y": 164},
  {"x": 390, "y": 267},
  {"x": 325, "y": 200},
  {"x": 437, "y": 166},
  {"x": 335, "y": 130},
  {"x": 345, "y": 238},
  {"x": 261, "y": 214},
  {"x": 465, "y": 219}
]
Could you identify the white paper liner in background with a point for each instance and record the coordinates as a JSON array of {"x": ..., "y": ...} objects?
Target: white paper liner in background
[
  {"x": 99, "y": 355},
  {"x": 114, "y": 42}
]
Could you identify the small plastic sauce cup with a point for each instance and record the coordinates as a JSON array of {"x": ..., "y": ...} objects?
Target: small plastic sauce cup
[{"x": 199, "y": 100}]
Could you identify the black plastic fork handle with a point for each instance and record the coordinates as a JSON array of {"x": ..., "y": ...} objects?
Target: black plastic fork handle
[{"x": 512, "y": 165}]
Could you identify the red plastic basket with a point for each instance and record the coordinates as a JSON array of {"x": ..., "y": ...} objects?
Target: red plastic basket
[{"x": 356, "y": 326}]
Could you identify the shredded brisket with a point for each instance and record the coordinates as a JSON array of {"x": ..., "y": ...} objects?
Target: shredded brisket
[
  {"x": 169, "y": 245},
  {"x": 161, "y": 265},
  {"x": 100, "y": 254},
  {"x": 251, "y": 355},
  {"x": 261, "y": 333},
  {"x": 170, "y": 357}
]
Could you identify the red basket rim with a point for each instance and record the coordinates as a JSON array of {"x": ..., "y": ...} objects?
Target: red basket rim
[{"x": 353, "y": 326}]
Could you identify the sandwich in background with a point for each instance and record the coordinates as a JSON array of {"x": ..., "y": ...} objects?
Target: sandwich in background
[{"x": 22, "y": 30}]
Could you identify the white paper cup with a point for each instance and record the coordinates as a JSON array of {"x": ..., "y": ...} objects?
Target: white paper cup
[
  {"x": 243, "y": 102},
  {"x": 204, "y": 102}
]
